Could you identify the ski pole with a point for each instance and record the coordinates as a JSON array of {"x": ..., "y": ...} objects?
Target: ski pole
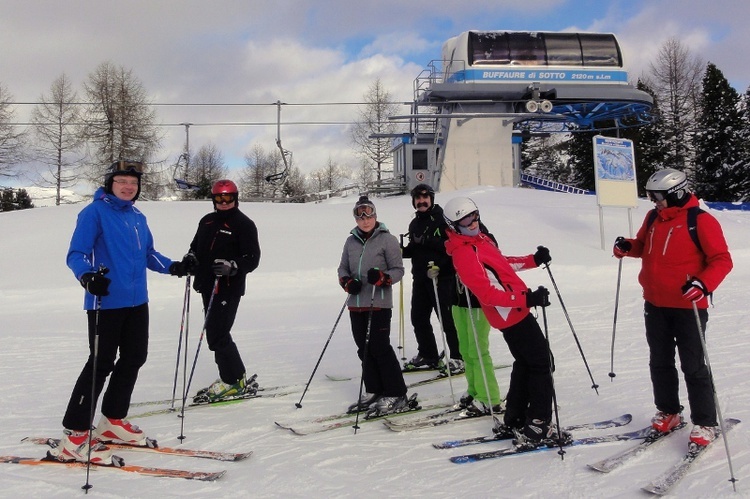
[
  {"x": 183, "y": 328},
  {"x": 495, "y": 421},
  {"x": 197, "y": 351},
  {"x": 94, "y": 357},
  {"x": 614, "y": 323},
  {"x": 442, "y": 334},
  {"x": 335, "y": 324},
  {"x": 575, "y": 336},
  {"x": 716, "y": 397},
  {"x": 561, "y": 452},
  {"x": 364, "y": 357},
  {"x": 401, "y": 327}
]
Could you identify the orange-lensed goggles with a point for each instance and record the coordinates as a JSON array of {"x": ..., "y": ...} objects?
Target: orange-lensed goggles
[{"x": 224, "y": 198}]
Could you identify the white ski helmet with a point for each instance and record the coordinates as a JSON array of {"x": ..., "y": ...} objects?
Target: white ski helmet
[
  {"x": 456, "y": 209},
  {"x": 671, "y": 184}
]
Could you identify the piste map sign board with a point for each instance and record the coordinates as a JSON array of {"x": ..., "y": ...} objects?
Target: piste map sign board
[{"x": 614, "y": 164}]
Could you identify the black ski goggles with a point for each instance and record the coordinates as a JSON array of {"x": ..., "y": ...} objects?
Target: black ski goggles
[
  {"x": 657, "y": 196},
  {"x": 128, "y": 166}
]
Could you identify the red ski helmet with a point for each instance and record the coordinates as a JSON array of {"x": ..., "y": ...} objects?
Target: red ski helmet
[
  {"x": 224, "y": 187},
  {"x": 224, "y": 191}
]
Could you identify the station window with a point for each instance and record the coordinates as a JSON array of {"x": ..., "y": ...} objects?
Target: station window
[
  {"x": 419, "y": 159},
  {"x": 526, "y": 49},
  {"x": 600, "y": 50},
  {"x": 563, "y": 49}
]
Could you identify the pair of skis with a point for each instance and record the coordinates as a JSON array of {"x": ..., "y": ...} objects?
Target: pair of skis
[
  {"x": 119, "y": 464},
  {"x": 346, "y": 419},
  {"x": 662, "y": 484}
]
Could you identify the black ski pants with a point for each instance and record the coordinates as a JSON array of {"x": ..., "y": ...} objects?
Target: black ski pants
[
  {"x": 530, "y": 391},
  {"x": 219, "y": 324},
  {"x": 121, "y": 329},
  {"x": 380, "y": 368},
  {"x": 423, "y": 304},
  {"x": 667, "y": 328}
]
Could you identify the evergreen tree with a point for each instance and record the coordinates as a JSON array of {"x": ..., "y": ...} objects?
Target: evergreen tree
[
  {"x": 6, "y": 200},
  {"x": 648, "y": 144},
  {"x": 717, "y": 146},
  {"x": 23, "y": 200},
  {"x": 580, "y": 152},
  {"x": 742, "y": 170},
  {"x": 541, "y": 156}
]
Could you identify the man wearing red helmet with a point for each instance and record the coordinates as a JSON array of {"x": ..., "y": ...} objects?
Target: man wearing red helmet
[{"x": 224, "y": 250}]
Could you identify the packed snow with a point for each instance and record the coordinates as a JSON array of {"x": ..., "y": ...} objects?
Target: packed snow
[{"x": 284, "y": 321}]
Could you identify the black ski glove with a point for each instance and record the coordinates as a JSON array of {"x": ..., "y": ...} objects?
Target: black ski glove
[
  {"x": 95, "y": 283},
  {"x": 622, "y": 247},
  {"x": 378, "y": 278},
  {"x": 190, "y": 261},
  {"x": 537, "y": 298},
  {"x": 351, "y": 286},
  {"x": 542, "y": 256},
  {"x": 178, "y": 269},
  {"x": 224, "y": 267}
]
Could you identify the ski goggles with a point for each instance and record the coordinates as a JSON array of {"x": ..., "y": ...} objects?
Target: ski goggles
[
  {"x": 224, "y": 198},
  {"x": 469, "y": 219},
  {"x": 364, "y": 211},
  {"x": 656, "y": 196},
  {"x": 128, "y": 166}
]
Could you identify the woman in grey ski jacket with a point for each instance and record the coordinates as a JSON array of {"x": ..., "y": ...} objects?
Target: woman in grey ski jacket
[{"x": 370, "y": 264}]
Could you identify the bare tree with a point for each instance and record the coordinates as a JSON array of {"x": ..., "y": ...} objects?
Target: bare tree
[
  {"x": 373, "y": 121},
  {"x": 294, "y": 186},
  {"x": 208, "y": 167},
  {"x": 12, "y": 139},
  {"x": 119, "y": 122},
  {"x": 328, "y": 178},
  {"x": 56, "y": 122},
  {"x": 253, "y": 175},
  {"x": 364, "y": 174},
  {"x": 675, "y": 77}
]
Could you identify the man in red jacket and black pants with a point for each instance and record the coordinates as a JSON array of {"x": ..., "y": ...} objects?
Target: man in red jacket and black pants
[{"x": 678, "y": 271}]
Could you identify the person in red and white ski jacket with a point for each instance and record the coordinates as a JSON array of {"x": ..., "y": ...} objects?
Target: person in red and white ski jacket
[
  {"x": 506, "y": 302},
  {"x": 678, "y": 274}
]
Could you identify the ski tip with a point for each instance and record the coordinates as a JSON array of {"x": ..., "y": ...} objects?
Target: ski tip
[{"x": 598, "y": 468}]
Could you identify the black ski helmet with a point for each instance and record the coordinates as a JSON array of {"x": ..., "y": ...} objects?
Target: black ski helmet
[
  {"x": 422, "y": 189},
  {"x": 124, "y": 167}
]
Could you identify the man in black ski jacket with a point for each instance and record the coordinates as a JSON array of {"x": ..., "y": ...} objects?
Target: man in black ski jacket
[
  {"x": 225, "y": 249},
  {"x": 427, "y": 244}
]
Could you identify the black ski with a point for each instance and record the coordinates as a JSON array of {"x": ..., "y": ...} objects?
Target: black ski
[
  {"x": 664, "y": 482},
  {"x": 512, "y": 451},
  {"x": 599, "y": 425}
]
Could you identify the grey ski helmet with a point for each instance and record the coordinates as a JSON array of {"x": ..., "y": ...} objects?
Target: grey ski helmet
[
  {"x": 670, "y": 184},
  {"x": 456, "y": 209}
]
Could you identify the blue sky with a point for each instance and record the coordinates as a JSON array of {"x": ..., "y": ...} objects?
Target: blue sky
[{"x": 313, "y": 52}]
